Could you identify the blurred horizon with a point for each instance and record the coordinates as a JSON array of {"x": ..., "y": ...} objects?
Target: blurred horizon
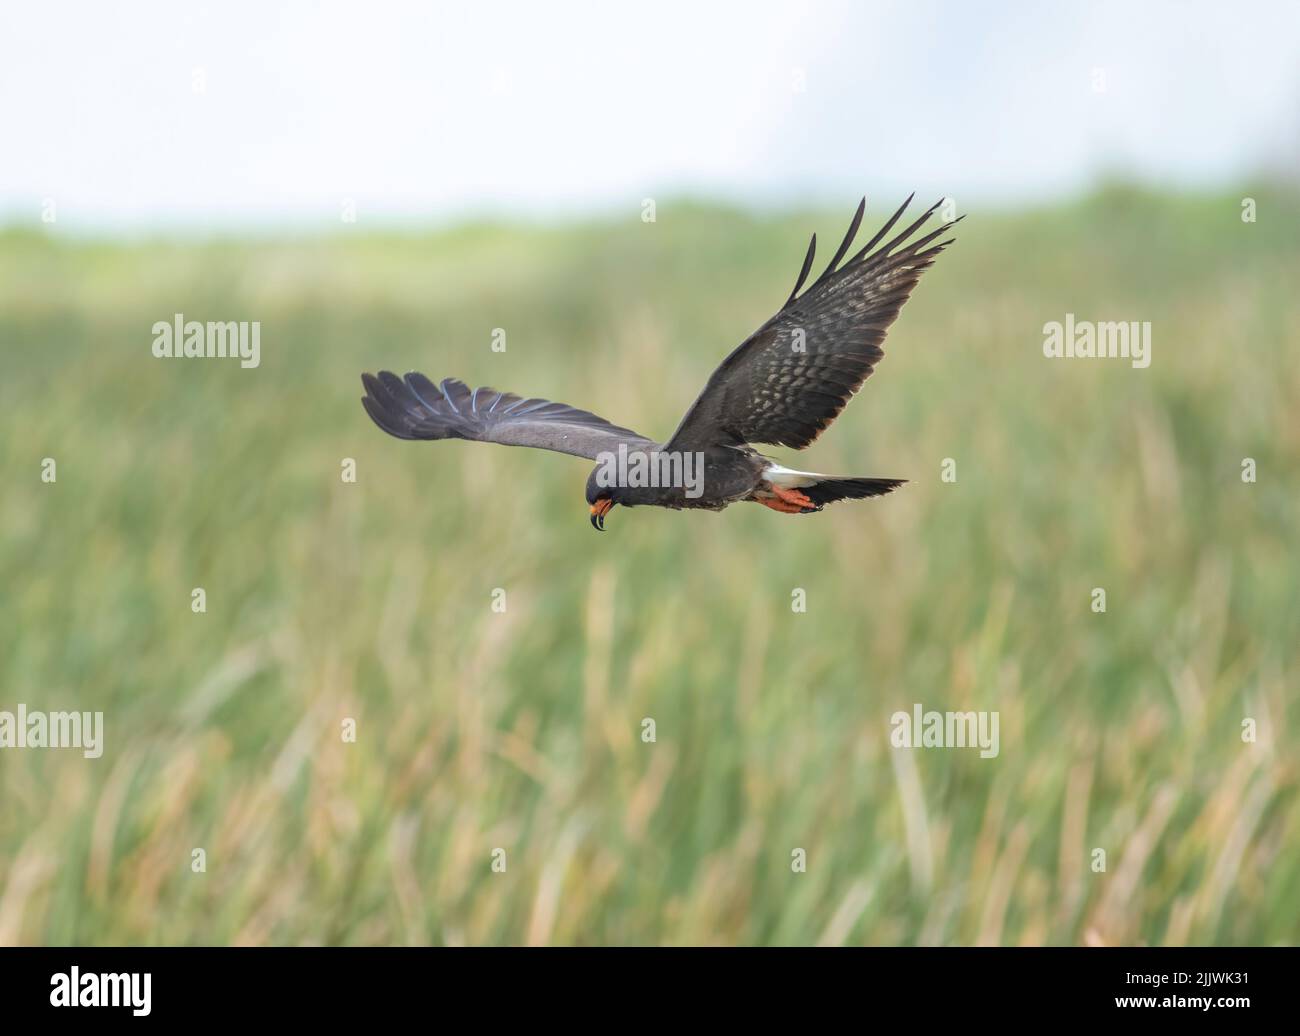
[{"x": 826, "y": 218}]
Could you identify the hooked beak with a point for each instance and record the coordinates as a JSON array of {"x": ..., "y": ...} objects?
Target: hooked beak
[{"x": 598, "y": 511}]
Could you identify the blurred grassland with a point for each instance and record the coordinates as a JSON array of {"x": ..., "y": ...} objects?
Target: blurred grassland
[{"x": 521, "y": 730}]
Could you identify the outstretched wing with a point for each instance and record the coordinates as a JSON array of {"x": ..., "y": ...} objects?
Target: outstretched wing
[
  {"x": 415, "y": 408},
  {"x": 790, "y": 379}
]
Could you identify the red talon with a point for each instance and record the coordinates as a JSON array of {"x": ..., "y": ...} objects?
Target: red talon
[
  {"x": 786, "y": 501},
  {"x": 793, "y": 496}
]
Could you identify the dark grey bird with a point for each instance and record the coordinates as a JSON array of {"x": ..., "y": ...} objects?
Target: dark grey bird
[{"x": 783, "y": 385}]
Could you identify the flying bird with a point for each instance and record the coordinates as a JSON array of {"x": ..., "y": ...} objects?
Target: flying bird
[{"x": 782, "y": 386}]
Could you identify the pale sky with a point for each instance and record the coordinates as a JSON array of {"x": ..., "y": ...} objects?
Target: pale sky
[{"x": 168, "y": 114}]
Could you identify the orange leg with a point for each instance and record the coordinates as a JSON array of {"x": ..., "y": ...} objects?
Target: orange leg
[
  {"x": 787, "y": 501},
  {"x": 793, "y": 496},
  {"x": 778, "y": 505}
]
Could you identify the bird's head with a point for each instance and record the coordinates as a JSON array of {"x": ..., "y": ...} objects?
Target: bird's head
[{"x": 600, "y": 498}]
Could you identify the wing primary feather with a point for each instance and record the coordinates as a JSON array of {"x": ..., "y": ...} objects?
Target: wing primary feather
[
  {"x": 421, "y": 386},
  {"x": 844, "y": 245},
  {"x": 442, "y": 386},
  {"x": 886, "y": 249},
  {"x": 384, "y": 419},
  {"x": 930, "y": 253},
  {"x": 803, "y": 274},
  {"x": 883, "y": 230},
  {"x": 913, "y": 247},
  {"x": 372, "y": 385},
  {"x": 392, "y": 385}
]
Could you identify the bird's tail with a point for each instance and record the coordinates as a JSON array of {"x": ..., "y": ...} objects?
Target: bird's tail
[
  {"x": 831, "y": 488},
  {"x": 826, "y": 489}
]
